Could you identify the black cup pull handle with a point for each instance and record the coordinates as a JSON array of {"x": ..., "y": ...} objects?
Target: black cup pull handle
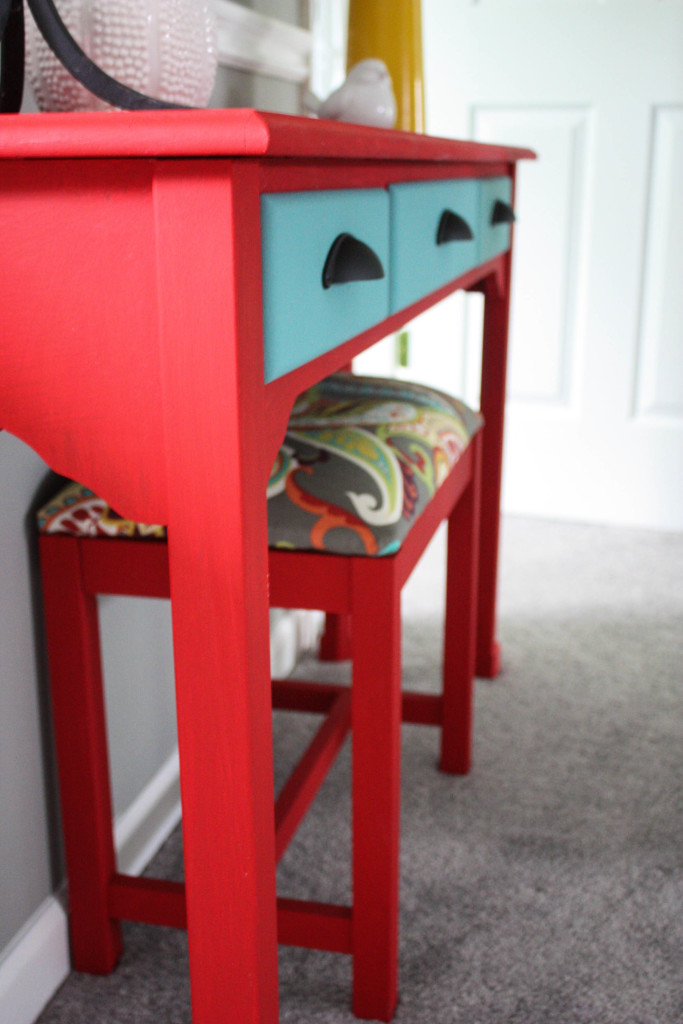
[
  {"x": 453, "y": 228},
  {"x": 349, "y": 259},
  {"x": 502, "y": 213}
]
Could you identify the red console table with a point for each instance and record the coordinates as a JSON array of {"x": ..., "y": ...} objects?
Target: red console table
[{"x": 141, "y": 353}]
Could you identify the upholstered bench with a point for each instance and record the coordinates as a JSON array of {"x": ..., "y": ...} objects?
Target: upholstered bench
[
  {"x": 367, "y": 471},
  {"x": 361, "y": 460}
]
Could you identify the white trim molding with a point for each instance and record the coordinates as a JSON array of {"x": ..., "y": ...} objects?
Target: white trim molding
[
  {"x": 144, "y": 827},
  {"x": 254, "y": 42},
  {"x": 34, "y": 964},
  {"x": 329, "y": 20}
]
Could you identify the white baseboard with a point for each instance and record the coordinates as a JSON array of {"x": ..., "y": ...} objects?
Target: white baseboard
[
  {"x": 291, "y": 633},
  {"x": 143, "y": 827},
  {"x": 36, "y": 962}
]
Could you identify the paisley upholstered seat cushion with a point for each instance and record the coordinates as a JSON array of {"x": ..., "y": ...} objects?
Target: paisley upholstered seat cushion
[{"x": 362, "y": 457}]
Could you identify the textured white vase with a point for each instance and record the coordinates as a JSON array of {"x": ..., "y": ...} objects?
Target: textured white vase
[{"x": 163, "y": 48}]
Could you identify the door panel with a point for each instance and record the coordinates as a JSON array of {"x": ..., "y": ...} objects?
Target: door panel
[{"x": 595, "y": 398}]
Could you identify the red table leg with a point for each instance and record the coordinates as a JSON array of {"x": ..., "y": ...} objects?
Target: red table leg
[
  {"x": 217, "y": 458},
  {"x": 224, "y": 722},
  {"x": 493, "y": 376}
]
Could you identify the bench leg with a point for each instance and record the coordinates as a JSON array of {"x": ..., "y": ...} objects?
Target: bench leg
[
  {"x": 376, "y": 731},
  {"x": 460, "y": 626},
  {"x": 335, "y": 643},
  {"x": 82, "y": 759}
]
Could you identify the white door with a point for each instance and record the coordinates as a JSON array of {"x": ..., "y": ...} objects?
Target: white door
[{"x": 595, "y": 396}]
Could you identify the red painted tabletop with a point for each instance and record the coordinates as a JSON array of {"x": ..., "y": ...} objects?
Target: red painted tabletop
[{"x": 228, "y": 133}]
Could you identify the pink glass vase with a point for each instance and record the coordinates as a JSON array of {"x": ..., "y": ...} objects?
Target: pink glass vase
[{"x": 163, "y": 48}]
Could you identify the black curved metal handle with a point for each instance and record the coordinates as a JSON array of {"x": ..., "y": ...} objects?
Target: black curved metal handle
[
  {"x": 502, "y": 213},
  {"x": 11, "y": 55},
  {"x": 453, "y": 228},
  {"x": 349, "y": 259}
]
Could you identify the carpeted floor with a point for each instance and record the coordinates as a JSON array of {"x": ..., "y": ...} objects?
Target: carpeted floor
[{"x": 547, "y": 886}]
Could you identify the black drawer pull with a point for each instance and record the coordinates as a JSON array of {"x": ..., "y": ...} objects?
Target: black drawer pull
[
  {"x": 453, "y": 228},
  {"x": 502, "y": 213},
  {"x": 349, "y": 259}
]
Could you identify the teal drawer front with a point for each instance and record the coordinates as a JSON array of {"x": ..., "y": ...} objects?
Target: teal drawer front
[
  {"x": 301, "y": 318},
  {"x": 419, "y": 264},
  {"x": 494, "y": 238}
]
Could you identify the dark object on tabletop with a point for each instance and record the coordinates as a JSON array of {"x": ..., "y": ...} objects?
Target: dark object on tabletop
[{"x": 67, "y": 50}]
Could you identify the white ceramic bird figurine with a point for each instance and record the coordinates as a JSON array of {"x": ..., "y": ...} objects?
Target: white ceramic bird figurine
[{"x": 366, "y": 97}]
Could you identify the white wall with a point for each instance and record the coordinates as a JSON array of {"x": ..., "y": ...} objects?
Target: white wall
[{"x": 27, "y": 869}]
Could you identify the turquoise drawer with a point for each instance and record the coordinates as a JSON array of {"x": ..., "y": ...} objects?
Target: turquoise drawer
[
  {"x": 302, "y": 318},
  {"x": 494, "y": 229},
  {"x": 420, "y": 260}
]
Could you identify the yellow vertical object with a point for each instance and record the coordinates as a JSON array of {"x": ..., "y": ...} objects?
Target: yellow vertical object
[{"x": 392, "y": 31}]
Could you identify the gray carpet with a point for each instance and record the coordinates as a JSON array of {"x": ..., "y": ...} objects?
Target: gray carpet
[{"x": 546, "y": 887}]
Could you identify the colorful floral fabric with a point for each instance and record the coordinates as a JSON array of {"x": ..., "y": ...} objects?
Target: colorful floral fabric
[
  {"x": 78, "y": 511},
  {"x": 362, "y": 457}
]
